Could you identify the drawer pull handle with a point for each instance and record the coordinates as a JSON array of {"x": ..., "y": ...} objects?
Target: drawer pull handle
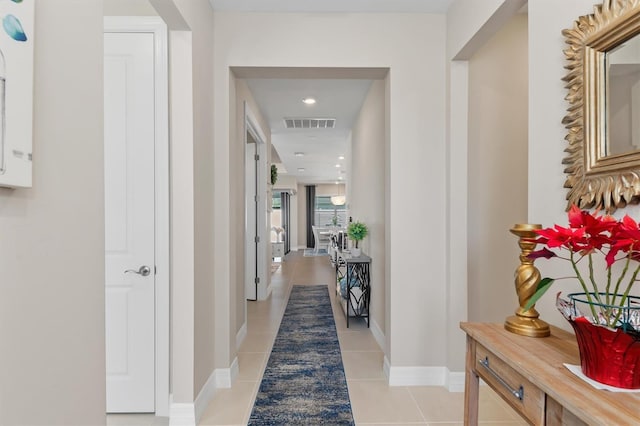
[{"x": 517, "y": 393}]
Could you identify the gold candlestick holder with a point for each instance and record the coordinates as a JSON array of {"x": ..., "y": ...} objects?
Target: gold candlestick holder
[{"x": 527, "y": 277}]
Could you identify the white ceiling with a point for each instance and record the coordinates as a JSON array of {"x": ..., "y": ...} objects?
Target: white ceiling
[
  {"x": 336, "y": 98},
  {"x": 415, "y": 6}
]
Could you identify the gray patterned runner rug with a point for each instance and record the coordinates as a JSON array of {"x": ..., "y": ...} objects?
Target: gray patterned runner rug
[{"x": 304, "y": 381}]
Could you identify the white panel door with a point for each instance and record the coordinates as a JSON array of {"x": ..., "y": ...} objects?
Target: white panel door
[{"x": 129, "y": 221}]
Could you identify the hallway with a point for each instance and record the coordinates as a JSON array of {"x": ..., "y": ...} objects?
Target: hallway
[{"x": 372, "y": 400}]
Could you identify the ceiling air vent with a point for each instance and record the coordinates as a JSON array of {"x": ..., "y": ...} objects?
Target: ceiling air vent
[{"x": 310, "y": 123}]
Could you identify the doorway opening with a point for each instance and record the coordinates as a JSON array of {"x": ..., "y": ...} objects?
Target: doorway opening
[{"x": 312, "y": 140}]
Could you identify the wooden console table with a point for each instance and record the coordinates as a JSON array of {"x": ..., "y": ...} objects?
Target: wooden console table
[{"x": 528, "y": 373}]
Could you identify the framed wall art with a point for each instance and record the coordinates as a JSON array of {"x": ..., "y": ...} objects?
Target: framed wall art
[{"x": 16, "y": 92}]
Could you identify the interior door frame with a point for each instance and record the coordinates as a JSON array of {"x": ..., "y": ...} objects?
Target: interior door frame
[
  {"x": 251, "y": 214},
  {"x": 252, "y": 126},
  {"x": 156, "y": 26},
  {"x": 285, "y": 208}
]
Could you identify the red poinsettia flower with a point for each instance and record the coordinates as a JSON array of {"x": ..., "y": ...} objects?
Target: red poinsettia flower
[
  {"x": 586, "y": 233},
  {"x": 626, "y": 238},
  {"x": 589, "y": 235},
  {"x": 597, "y": 229},
  {"x": 569, "y": 238}
]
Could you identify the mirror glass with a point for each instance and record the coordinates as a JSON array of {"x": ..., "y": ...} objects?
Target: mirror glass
[{"x": 623, "y": 98}]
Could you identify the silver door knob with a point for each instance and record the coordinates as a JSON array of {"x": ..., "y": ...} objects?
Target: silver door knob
[{"x": 144, "y": 271}]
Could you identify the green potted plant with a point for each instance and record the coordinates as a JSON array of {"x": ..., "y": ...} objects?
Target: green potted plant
[
  {"x": 274, "y": 174},
  {"x": 356, "y": 232}
]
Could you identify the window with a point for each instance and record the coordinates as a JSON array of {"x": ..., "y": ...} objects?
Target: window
[
  {"x": 276, "y": 215},
  {"x": 276, "y": 201},
  {"x": 326, "y": 214}
]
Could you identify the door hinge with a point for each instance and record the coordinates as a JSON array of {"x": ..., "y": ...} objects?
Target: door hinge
[
  {"x": 257, "y": 239},
  {"x": 256, "y": 157},
  {"x": 257, "y": 198},
  {"x": 257, "y": 280},
  {"x": 155, "y": 270}
]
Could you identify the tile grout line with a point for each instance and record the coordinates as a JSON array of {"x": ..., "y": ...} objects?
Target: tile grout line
[
  {"x": 252, "y": 401},
  {"x": 267, "y": 353},
  {"x": 413, "y": 398}
]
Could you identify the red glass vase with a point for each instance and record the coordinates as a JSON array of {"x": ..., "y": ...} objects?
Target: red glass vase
[{"x": 608, "y": 356}]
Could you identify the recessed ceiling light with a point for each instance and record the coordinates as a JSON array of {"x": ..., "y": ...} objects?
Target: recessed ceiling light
[
  {"x": 301, "y": 169},
  {"x": 340, "y": 177},
  {"x": 299, "y": 154},
  {"x": 341, "y": 157},
  {"x": 309, "y": 101},
  {"x": 337, "y": 165}
]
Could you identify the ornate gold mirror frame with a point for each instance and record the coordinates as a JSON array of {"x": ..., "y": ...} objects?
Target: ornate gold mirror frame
[{"x": 596, "y": 179}]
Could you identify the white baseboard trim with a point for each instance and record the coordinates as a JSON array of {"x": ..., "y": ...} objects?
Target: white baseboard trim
[
  {"x": 226, "y": 376},
  {"x": 378, "y": 334},
  {"x": 241, "y": 335},
  {"x": 455, "y": 381},
  {"x": 235, "y": 370},
  {"x": 417, "y": 376},
  {"x": 181, "y": 414},
  {"x": 424, "y": 376},
  {"x": 205, "y": 395},
  {"x": 220, "y": 378},
  {"x": 386, "y": 367},
  {"x": 263, "y": 294}
]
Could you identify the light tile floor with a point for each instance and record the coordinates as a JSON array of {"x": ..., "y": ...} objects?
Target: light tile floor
[{"x": 373, "y": 401}]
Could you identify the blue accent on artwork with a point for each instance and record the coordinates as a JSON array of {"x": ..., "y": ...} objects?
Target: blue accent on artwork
[
  {"x": 304, "y": 381},
  {"x": 17, "y": 1},
  {"x": 13, "y": 28}
]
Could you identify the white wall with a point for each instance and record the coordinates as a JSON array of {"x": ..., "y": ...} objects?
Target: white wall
[
  {"x": 367, "y": 184},
  {"x": 182, "y": 215},
  {"x": 207, "y": 351},
  {"x": 466, "y": 19},
  {"x": 286, "y": 182},
  {"x": 416, "y": 153},
  {"x": 52, "y": 362},
  {"x": 547, "y": 107},
  {"x": 128, "y": 8},
  {"x": 470, "y": 24},
  {"x": 53, "y": 346},
  {"x": 497, "y": 159},
  {"x": 330, "y": 189},
  {"x": 237, "y": 182}
]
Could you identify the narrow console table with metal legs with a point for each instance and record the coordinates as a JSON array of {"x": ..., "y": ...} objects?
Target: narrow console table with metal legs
[{"x": 353, "y": 285}]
